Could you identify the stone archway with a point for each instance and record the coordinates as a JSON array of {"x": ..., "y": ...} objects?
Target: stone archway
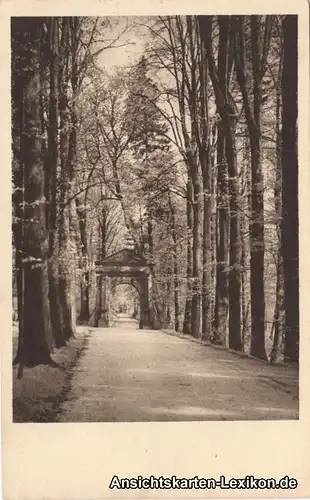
[{"x": 124, "y": 267}]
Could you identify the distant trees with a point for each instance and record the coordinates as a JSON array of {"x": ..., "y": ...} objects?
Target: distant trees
[
  {"x": 192, "y": 152},
  {"x": 146, "y": 129},
  {"x": 231, "y": 62}
]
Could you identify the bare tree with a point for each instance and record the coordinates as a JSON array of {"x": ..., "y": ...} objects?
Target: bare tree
[
  {"x": 227, "y": 114},
  {"x": 260, "y": 42}
]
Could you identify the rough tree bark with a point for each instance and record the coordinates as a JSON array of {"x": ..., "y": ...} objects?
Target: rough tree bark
[
  {"x": 222, "y": 234},
  {"x": 192, "y": 139},
  {"x": 196, "y": 289},
  {"x": 189, "y": 268},
  {"x": 227, "y": 115},
  {"x": 17, "y": 171},
  {"x": 51, "y": 180},
  {"x": 222, "y": 238},
  {"x": 64, "y": 283},
  {"x": 200, "y": 118},
  {"x": 278, "y": 318},
  {"x": 259, "y": 53},
  {"x": 290, "y": 189},
  {"x": 101, "y": 281},
  {"x": 36, "y": 341},
  {"x": 185, "y": 91},
  {"x": 175, "y": 266},
  {"x": 84, "y": 307},
  {"x": 257, "y": 226}
]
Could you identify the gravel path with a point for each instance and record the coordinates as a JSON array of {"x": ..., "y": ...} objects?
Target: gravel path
[{"x": 130, "y": 375}]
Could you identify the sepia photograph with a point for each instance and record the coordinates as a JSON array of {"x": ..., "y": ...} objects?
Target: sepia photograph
[{"x": 155, "y": 221}]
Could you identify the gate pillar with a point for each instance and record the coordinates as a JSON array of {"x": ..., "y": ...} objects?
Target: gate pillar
[{"x": 145, "y": 320}]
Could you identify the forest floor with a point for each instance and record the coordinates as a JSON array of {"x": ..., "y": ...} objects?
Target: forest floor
[
  {"x": 131, "y": 375},
  {"x": 38, "y": 394}
]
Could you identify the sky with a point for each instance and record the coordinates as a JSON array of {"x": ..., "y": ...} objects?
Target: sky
[{"x": 129, "y": 46}]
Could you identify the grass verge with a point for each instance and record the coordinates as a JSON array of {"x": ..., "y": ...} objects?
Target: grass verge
[{"x": 38, "y": 395}]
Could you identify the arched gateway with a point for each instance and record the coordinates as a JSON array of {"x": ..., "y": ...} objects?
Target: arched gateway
[{"x": 128, "y": 268}]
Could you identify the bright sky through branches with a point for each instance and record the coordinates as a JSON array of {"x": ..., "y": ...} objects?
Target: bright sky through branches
[{"x": 129, "y": 45}]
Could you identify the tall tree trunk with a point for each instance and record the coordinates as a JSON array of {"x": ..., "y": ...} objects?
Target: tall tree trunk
[
  {"x": 36, "y": 336},
  {"x": 196, "y": 141},
  {"x": 51, "y": 182},
  {"x": 84, "y": 308},
  {"x": 222, "y": 255},
  {"x": 184, "y": 72},
  {"x": 175, "y": 267},
  {"x": 18, "y": 175},
  {"x": 98, "y": 304},
  {"x": 277, "y": 317},
  {"x": 244, "y": 307},
  {"x": 55, "y": 307},
  {"x": 206, "y": 326},
  {"x": 103, "y": 254},
  {"x": 53, "y": 146},
  {"x": 227, "y": 114},
  {"x": 196, "y": 290},
  {"x": 246, "y": 241},
  {"x": 222, "y": 272},
  {"x": 290, "y": 189},
  {"x": 64, "y": 283},
  {"x": 257, "y": 252},
  {"x": 101, "y": 257},
  {"x": 257, "y": 223},
  {"x": 100, "y": 297},
  {"x": 167, "y": 306},
  {"x": 203, "y": 137},
  {"x": 153, "y": 274},
  {"x": 235, "y": 341},
  {"x": 96, "y": 315},
  {"x": 213, "y": 229},
  {"x": 259, "y": 53},
  {"x": 72, "y": 159},
  {"x": 189, "y": 269}
]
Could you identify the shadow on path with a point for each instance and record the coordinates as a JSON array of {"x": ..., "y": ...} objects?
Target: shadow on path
[{"x": 131, "y": 375}]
